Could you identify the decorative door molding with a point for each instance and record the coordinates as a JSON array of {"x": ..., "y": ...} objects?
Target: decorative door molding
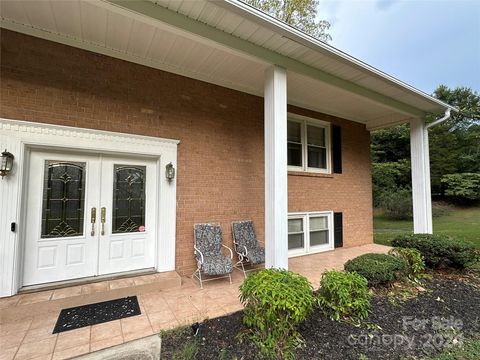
[{"x": 21, "y": 136}]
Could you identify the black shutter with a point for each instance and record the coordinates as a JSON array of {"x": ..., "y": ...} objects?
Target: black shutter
[
  {"x": 338, "y": 229},
  {"x": 337, "y": 149}
]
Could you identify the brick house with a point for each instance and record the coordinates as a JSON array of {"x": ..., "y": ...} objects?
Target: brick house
[{"x": 259, "y": 120}]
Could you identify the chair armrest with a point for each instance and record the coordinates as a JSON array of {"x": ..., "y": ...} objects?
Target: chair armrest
[
  {"x": 237, "y": 250},
  {"x": 231, "y": 252},
  {"x": 201, "y": 255}
]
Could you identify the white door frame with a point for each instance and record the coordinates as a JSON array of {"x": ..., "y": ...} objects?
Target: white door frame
[{"x": 19, "y": 137}]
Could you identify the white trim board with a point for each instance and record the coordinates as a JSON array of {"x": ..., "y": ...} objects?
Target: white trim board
[{"x": 19, "y": 137}]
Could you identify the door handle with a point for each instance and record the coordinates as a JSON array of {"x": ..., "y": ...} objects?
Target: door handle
[
  {"x": 103, "y": 216},
  {"x": 93, "y": 219}
]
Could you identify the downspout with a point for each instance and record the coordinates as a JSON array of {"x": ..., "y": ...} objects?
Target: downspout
[
  {"x": 427, "y": 168},
  {"x": 436, "y": 122}
]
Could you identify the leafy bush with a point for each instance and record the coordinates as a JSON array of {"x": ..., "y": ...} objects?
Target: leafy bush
[
  {"x": 414, "y": 260},
  {"x": 377, "y": 268},
  {"x": 464, "y": 186},
  {"x": 439, "y": 250},
  {"x": 344, "y": 295},
  {"x": 397, "y": 204},
  {"x": 276, "y": 302}
]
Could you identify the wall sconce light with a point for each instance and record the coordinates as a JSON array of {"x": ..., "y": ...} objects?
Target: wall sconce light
[
  {"x": 6, "y": 163},
  {"x": 169, "y": 172}
]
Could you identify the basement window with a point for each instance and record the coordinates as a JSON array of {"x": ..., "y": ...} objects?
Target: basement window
[
  {"x": 310, "y": 232},
  {"x": 308, "y": 144}
]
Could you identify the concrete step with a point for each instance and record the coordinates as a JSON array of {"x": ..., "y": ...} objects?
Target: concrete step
[{"x": 147, "y": 348}]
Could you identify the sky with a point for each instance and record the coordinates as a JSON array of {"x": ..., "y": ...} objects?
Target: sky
[{"x": 424, "y": 43}]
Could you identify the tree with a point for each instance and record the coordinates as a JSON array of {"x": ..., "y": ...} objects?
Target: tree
[
  {"x": 301, "y": 14},
  {"x": 465, "y": 100},
  {"x": 464, "y": 187},
  {"x": 454, "y": 144},
  {"x": 391, "y": 145}
]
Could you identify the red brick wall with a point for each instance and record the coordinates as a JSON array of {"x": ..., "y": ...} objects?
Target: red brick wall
[
  {"x": 220, "y": 174},
  {"x": 349, "y": 192}
]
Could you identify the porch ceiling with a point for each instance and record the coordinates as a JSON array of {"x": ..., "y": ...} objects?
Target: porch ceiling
[{"x": 224, "y": 43}]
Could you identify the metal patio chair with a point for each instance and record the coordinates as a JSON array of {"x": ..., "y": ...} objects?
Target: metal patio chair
[
  {"x": 211, "y": 261},
  {"x": 247, "y": 247}
]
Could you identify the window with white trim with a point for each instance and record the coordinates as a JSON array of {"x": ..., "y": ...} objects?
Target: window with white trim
[
  {"x": 309, "y": 232},
  {"x": 308, "y": 144}
]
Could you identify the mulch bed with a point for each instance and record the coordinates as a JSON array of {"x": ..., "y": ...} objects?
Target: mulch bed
[{"x": 409, "y": 329}]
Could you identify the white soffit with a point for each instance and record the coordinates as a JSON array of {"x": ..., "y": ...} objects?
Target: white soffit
[
  {"x": 104, "y": 28},
  {"x": 116, "y": 29},
  {"x": 303, "y": 91},
  {"x": 328, "y": 58}
]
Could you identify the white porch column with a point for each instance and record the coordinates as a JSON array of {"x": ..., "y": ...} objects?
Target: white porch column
[
  {"x": 421, "y": 193},
  {"x": 276, "y": 191}
]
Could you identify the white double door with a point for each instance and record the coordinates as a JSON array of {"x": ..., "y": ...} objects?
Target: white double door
[{"x": 88, "y": 215}]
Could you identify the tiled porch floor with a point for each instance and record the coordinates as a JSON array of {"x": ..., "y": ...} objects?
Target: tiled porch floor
[{"x": 28, "y": 335}]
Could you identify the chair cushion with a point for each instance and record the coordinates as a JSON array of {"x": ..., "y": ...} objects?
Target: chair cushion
[
  {"x": 244, "y": 234},
  {"x": 257, "y": 255},
  {"x": 217, "y": 265},
  {"x": 208, "y": 239}
]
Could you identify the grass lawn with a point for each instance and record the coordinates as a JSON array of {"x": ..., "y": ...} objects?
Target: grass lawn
[
  {"x": 470, "y": 350},
  {"x": 462, "y": 223}
]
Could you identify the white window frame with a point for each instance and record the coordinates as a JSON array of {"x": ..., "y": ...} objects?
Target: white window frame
[
  {"x": 307, "y": 249},
  {"x": 306, "y": 121}
]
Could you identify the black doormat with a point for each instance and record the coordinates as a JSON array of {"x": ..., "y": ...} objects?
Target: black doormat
[{"x": 85, "y": 315}]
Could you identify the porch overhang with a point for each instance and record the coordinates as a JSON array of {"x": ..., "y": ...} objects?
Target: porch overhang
[
  {"x": 230, "y": 44},
  {"x": 227, "y": 43}
]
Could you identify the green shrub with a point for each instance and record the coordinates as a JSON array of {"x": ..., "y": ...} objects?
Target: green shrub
[
  {"x": 344, "y": 295},
  {"x": 439, "y": 250},
  {"x": 378, "y": 269},
  {"x": 397, "y": 204},
  {"x": 414, "y": 260},
  {"x": 276, "y": 302}
]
